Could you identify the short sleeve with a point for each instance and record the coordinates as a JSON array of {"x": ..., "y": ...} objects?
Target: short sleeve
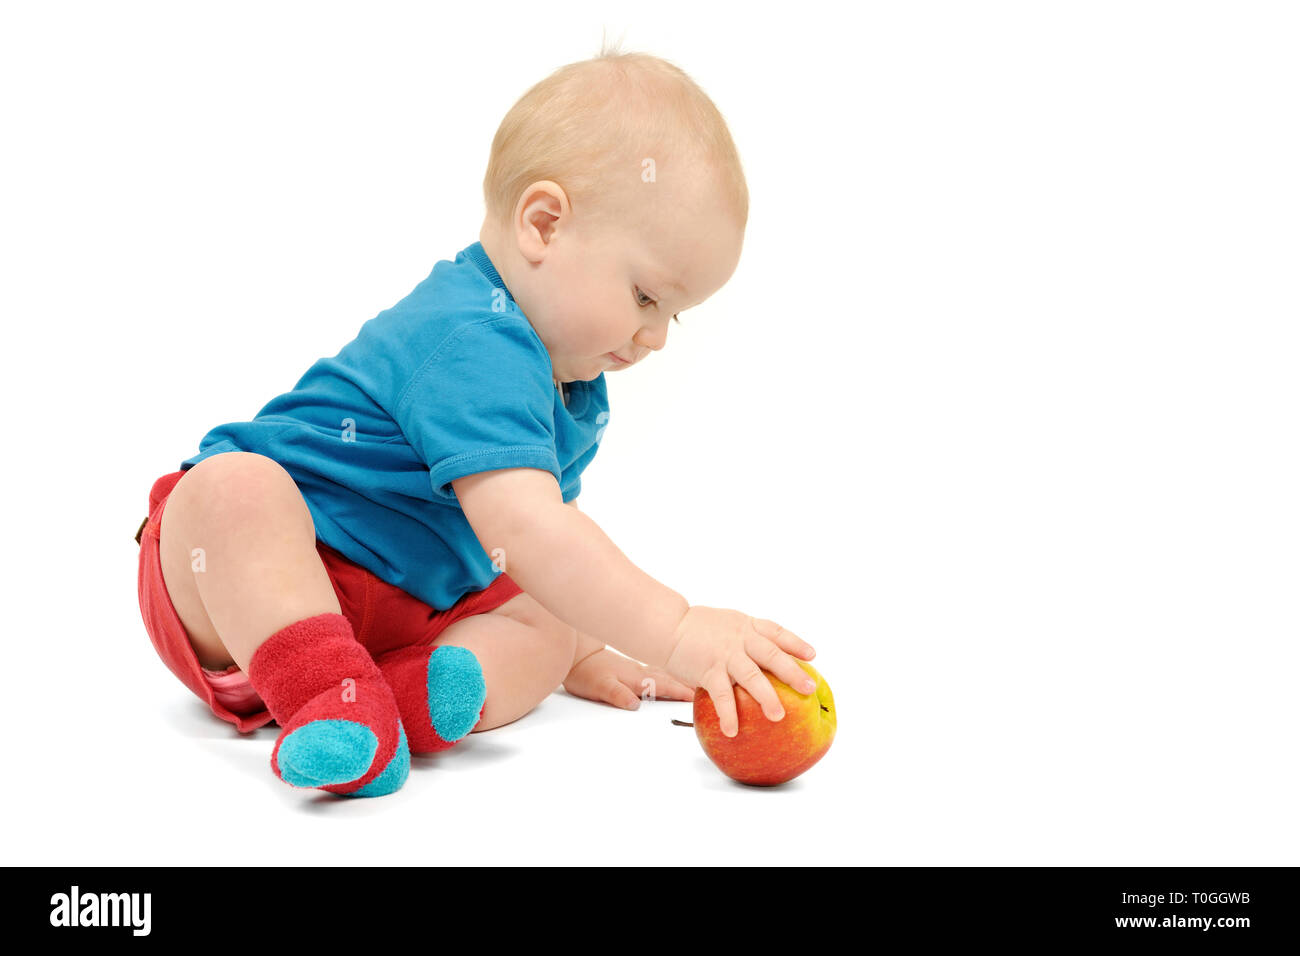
[{"x": 484, "y": 400}]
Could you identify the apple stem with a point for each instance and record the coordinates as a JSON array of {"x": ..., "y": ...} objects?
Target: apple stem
[{"x": 682, "y": 723}]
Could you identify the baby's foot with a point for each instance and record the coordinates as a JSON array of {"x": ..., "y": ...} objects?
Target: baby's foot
[
  {"x": 331, "y": 744},
  {"x": 341, "y": 730},
  {"x": 440, "y": 692}
]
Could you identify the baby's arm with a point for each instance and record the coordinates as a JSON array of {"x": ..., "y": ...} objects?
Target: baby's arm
[
  {"x": 569, "y": 566},
  {"x": 565, "y": 561},
  {"x": 587, "y": 645}
]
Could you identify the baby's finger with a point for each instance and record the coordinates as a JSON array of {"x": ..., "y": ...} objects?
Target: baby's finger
[
  {"x": 718, "y": 685},
  {"x": 751, "y": 677},
  {"x": 620, "y": 695},
  {"x": 787, "y": 669},
  {"x": 787, "y": 640},
  {"x": 775, "y": 661}
]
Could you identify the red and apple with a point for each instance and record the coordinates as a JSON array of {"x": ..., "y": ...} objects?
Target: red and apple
[{"x": 766, "y": 752}]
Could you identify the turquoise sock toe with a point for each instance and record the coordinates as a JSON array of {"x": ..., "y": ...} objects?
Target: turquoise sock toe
[
  {"x": 394, "y": 774},
  {"x": 325, "y": 752},
  {"x": 456, "y": 691}
]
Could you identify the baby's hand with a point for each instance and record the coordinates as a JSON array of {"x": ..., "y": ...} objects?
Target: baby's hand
[
  {"x": 714, "y": 645},
  {"x": 608, "y": 677}
]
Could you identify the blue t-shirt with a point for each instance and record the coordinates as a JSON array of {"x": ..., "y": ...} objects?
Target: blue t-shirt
[{"x": 450, "y": 381}]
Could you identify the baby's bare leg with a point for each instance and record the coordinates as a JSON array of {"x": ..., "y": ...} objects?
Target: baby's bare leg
[
  {"x": 238, "y": 551},
  {"x": 525, "y": 654},
  {"x": 239, "y": 558}
]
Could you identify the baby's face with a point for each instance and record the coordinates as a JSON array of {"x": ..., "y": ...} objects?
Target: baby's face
[{"x": 596, "y": 294}]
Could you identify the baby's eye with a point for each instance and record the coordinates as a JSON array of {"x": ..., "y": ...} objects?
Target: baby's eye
[{"x": 641, "y": 295}]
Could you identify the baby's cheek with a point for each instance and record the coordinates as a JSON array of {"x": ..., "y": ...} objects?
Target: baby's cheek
[
  {"x": 588, "y": 324},
  {"x": 593, "y": 338}
]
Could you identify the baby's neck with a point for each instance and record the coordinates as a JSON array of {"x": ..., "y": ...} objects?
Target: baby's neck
[{"x": 487, "y": 238}]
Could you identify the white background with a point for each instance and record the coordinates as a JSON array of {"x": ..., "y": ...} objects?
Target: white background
[{"x": 999, "y": 411}]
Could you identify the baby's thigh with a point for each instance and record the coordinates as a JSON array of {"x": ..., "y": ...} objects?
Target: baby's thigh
[
  {"x": 524, "y": 609},
  {"x": 176, "y": 561}
]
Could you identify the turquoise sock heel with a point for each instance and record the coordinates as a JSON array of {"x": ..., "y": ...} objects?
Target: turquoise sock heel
[{"x": 456, "y": 691}]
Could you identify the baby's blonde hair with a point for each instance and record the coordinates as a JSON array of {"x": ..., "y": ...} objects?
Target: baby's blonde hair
[{"x": 590, "y": 126}]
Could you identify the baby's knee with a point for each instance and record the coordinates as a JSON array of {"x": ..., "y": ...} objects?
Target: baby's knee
[
  {"x": 557, "y": 642},
  {"x": 556, "y": 645},
  {"x": 238, "y": 489},
  {"x": 566, "y": 647}
]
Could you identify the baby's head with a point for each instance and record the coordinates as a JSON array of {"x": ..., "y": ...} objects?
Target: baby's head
[{"x": 615, "y": 200}]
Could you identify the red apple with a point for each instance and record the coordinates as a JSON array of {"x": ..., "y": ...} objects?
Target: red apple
[{"x": 766, "y": 752}]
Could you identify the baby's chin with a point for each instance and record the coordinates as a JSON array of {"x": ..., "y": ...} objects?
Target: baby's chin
[
  {"x": 605, "y": 364},
  {"x": 593, "y": 369}
]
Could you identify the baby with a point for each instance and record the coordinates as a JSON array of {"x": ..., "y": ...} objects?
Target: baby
[{"x": 390, "y": 556}]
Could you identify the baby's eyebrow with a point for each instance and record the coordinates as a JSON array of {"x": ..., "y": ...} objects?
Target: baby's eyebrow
[
  {"x": 660, "y": 280},
  {"x": 655, "y": 291}
]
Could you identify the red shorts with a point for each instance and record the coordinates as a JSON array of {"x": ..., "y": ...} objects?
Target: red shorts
[{"x": 382, "y": 615}]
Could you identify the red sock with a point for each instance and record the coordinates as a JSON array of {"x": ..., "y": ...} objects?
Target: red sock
[{"x": 341, "y": 729}]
